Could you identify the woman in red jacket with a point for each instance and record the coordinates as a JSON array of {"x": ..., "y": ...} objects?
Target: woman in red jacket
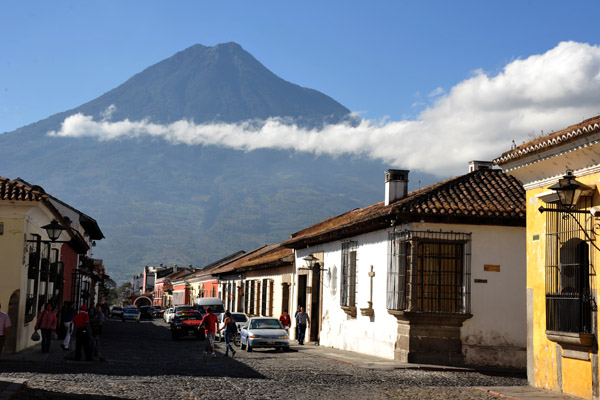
[{"x": 46, "y": 321}]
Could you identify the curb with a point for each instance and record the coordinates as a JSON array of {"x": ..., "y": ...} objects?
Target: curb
[
  {"x": 13, "y": 387},
  {"x": 494, "y": 393}
]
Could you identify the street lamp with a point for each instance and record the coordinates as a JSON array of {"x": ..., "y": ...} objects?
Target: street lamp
[
  {"x": 569, "y": 190},
  {"x": 53, "y": 230},
  {"x": 310, "y": 261}
]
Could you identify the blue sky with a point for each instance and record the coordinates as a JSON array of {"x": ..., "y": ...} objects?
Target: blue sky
[{"x": 384, "y": 59}]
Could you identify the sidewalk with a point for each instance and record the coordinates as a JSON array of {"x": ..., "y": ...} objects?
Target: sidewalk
[
  {"x": 9, "y": 386},
  {"x": 372, "y": 362}
]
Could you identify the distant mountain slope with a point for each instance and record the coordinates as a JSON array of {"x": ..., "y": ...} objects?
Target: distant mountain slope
[{"x": 163, "y": 203}]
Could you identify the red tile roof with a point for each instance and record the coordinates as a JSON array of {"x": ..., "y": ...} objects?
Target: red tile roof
[
  {"x": 588, "y": 127},
  {"x": 274, "y": 255},
  {"x": 488, "y": 197},
  {"x": 13, "y": 190}
]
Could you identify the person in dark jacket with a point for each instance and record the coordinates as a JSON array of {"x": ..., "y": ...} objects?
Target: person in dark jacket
[{"x": 81, "y": 323}]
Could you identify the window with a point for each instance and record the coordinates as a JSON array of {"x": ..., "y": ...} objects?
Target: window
[
  {"x": 429, "y": 272},
  {"x": 569, "y": 273},
  {"x": 348, "y": 278}
]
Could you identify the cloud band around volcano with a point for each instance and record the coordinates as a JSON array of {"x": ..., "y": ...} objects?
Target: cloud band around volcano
[{"x": 478, "y": 118}]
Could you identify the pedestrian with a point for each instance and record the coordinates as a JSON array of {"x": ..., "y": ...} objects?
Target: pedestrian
[
  {"x": 302, "y": 321},
  {"x": 4, "y": 324},
  {"x": 81, "y": 323},
  {"x": 285, "y": 320},
  {"x": 230, "y": 331},
  {"x": 67, "y": 317},
  {"x": 46, "y": 321},
  {"x": 96, "y": 323},
  {"x": 210, "y": 322},
  {"x": 295, "y": 317}
]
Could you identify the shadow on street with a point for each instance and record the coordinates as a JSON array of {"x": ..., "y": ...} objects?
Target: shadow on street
[{"x": 134, "y": 349}]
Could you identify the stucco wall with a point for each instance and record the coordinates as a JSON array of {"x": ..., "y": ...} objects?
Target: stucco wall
[
  {"x": 279, "y": 276},
  {"x": 495, "y": 335}
]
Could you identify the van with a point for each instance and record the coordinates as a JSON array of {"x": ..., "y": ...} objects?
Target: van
[{"x": 215, "y": 304}]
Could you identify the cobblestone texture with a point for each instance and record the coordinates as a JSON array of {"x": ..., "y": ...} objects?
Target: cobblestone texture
[{"x": 142, "y": 362}]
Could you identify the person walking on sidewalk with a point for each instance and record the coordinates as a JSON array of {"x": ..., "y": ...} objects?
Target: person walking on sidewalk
[
  {"x": 96, "y": 323},
  {"x": 285, "y": 320},
  {"x": 4, "y": 324},
  {"x": 46, "y": 321},
  {"x": 67, "y": 316},
  {"x": 230, "y": 331},
  {"x": 302, "y": 321},
  {"x": 210, "y": 322},
  {"x": 81, "y": 323}
]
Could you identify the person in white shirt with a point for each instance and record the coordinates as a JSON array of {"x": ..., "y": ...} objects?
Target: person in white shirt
[{"x": 4, "y": 324}]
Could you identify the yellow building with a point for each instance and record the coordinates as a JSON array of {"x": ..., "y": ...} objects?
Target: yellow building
[
  {"x": 29, "y": 261},
  {"x": 561, "y": 174}
]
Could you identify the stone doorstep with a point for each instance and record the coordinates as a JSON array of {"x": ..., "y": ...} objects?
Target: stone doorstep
[{"x": 13, "y": 386}]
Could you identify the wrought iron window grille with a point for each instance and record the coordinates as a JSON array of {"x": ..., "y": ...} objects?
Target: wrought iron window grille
[
  {"x": 569, "y": 268},
  {"x": 429, "y": 272}
]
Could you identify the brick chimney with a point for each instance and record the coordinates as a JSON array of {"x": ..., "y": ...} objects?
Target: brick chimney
[
  {"x": 396, "y": 185},
  {"x": 477, "y": 165}
]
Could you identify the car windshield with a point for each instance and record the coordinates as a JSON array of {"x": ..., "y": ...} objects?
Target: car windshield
[
  {"x": 184, "y": 308},
  {"x": 265, "y": 324},
  {"x": 132, "y": 310},
  {"x": 239, "y": 317}
]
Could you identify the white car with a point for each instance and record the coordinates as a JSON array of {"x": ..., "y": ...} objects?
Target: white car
[
  {"x": 241, "y": 320},
  {"x": 168, "y": 315},
  {"x": 264, "y": 332}
]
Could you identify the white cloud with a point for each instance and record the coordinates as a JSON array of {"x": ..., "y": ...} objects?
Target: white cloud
[
  {"x": 436, "y": 92},
  {"x": 477, "y": 119}
]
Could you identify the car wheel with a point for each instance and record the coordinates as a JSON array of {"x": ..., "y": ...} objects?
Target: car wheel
[
  {"x": 249, "y": 348},
  {"x": 236, "y": 341},
  {"x": 242, "y": 346}
]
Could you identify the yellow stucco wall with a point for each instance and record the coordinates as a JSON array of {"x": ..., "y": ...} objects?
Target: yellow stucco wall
[
  {"x": 576, "y": 374},
  {"x": 577, "y": 377},
  {"x": 11, "y": 258}
]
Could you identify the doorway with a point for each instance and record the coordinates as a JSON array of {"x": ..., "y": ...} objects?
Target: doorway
[
  {"x": 10, "y": 346},
  {"x": 315, "y": 305},
  {"x": 302, "y": 281}
]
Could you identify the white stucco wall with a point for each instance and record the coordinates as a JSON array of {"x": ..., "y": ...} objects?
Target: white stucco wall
[{"x": 495, "y": 335}]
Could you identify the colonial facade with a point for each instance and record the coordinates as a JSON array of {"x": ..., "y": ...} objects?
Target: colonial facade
[
  {"x": 259, "y": 282},
  {"x": 432, "y": 276},
  {"x": 560, "y": 173},
  {"x": 36, "y": 269}
]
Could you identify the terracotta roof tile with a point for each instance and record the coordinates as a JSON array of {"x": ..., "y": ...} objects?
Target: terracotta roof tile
[
  {"x": 481, "y": 197},
  {"x": 573, "y": 132},
  {"x": 262, "y": 257},
  {"x": 14, "y": 190}
]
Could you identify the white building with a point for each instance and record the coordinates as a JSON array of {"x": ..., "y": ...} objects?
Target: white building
[{"x": 432, "y": 276}]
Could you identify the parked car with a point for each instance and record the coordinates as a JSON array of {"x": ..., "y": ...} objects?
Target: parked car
[
  {"x": 241, "y": 320},
  {"x": 116, "y": 311},
  {"x": 215, "y": 304},
  {"x": 146, "y": 312},
  {"x": 170, "y": 313},
  {"x": 264, "y": 332},
  {"x": 131, "y": 313},
  {"x": 187, "y": 323},
  {"x": 157, "y": 312}
]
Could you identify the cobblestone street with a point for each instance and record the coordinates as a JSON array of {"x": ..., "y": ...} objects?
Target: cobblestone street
[{"x": 142, "y": 362}]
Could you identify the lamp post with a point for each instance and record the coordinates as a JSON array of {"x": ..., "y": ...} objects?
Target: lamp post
[
  {"x": 569, "y": 191},
  {"x": 310, "y": 261}
]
